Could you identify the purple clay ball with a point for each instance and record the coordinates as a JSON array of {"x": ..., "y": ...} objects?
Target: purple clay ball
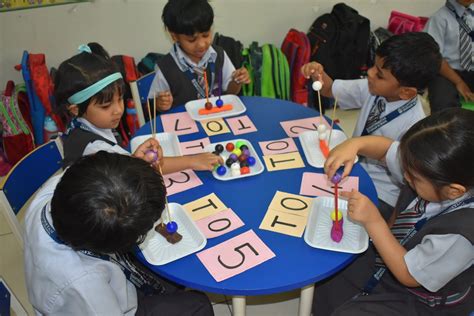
[
  {"x": 233, "y": 157},
  {"x": 246, "y": 152},
  {"x": 336, "y": 178},
  {"x": 172, "y": 227},
  {"x": 221, "y": 170},
  {"x": 151, "y": 155},
  {"x": 219, "y": 103},
  {"x": 251, "y": 160}
]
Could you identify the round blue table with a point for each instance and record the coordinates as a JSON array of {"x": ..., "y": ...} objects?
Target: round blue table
[{"x": 296, "y": 264}]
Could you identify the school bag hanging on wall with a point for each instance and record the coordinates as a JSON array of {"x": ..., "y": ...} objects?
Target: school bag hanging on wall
[
  {"x": 17, "y": 136},
  {"x": 297, "y": 50},
  {"x": 400, "y": 23},
  {"x": 339, "y": 41},
  {"x": 232, "y": 47},
  {"x": 376, "y": 38}
]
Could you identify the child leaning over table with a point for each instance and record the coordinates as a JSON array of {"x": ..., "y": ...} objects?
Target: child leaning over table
[
  {"x": 179, "y": 75},
  {"x": 89, "y": 86},
  {"x": 388, "y": 98},
  {"x": 422, "y": 262},
  {"x": 79, "y": 233}
]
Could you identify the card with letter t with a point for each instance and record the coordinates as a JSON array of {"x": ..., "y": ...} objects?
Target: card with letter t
[{"x": 235, "y": 255}]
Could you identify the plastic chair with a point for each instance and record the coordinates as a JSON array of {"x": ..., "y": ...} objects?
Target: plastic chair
[
  {"x": 140, "y": 90},
  {"x": 25, "y": 178}
]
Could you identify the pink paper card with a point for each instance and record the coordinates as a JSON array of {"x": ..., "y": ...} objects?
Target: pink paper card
[
  {"x": 181, "y": 181},
  {"x": 235, "y": 255},
  {"x": 179, "y": 123},
  {"x": 241, "y": 125},
  {"x": 294, "y": 127},
  {"x": 194, "y": 146},
  {"x": 279, "y": 146},
  {"x": 317, "y": 184},
  {"x": 219, "y": 223}
]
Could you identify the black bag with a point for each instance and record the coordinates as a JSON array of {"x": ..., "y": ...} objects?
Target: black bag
[
  {"x": 147, "y": 63},
  {"x": 339, "y": 41},
  {"x": 232, "y": 47},
  {"x": 377, "y": 37}
]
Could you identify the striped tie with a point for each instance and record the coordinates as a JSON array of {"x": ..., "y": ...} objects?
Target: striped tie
[
  {"x": 377, "y": 109},
  {"x": 465, "y": 51}
]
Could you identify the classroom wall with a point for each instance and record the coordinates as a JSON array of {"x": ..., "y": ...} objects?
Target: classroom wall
[{"x": 134, "y": 27}]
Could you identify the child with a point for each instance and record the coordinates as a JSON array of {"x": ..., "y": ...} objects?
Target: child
[
  {"x": 422, "y": 264},
  {"x": 89, "y": 87},
  {"x": 388, "y": 100},
  {"x": 79, "y": 232},
  {"x": 456, "y": 77},
  {"x": 179, "y": 75}
]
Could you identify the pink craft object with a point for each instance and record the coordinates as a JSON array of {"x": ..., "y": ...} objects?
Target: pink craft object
[{"x": 336, "y": 230}]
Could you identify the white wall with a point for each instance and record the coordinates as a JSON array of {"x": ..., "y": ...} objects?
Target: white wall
[{"x": 134, "y": 27}]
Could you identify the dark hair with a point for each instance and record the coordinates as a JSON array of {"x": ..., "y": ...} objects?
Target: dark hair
[
  {"x": 413, "y": 58},
  {"x": 98, "y": 49},
  {"x": 440, "y": 148},
  {"x": 107, "y": 202},
  {"x": 78, "y": 73},
  {"x": 188, "y": 16}
]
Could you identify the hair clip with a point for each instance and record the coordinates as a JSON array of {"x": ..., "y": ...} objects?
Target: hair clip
[{"x": 84, "y": 48}]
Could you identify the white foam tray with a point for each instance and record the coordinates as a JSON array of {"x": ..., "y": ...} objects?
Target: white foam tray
[
  {"x": 310, "y": 143},
  {"x": 158, "y": 251},
  {"x": 169, "y": 143},
  {"x": 318, "y": 228},
  {"x": 257, "y": 168},
  {"x": 193, "y": 107}
]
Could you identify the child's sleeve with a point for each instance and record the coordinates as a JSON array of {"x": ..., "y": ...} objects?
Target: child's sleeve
[
  {"x": 438, "y": 259},
  {"x": 392, "y": 160},
  {"x": 158, "y": 84},
  {"x": 227, "y": 71},
  {"x": 436, "y": 27},
  {"x": 350, "y": 94}
]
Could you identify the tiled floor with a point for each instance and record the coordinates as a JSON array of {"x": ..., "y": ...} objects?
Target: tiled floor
[{"x": 285, "y": 304}]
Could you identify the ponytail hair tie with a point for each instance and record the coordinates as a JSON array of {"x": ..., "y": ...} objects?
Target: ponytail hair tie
[{"x": 84, "y": 48}]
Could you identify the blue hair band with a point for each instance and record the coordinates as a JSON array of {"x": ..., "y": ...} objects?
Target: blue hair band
[
  {"x": 83, "y": 95},
  {"x": 84, "y": 48}
]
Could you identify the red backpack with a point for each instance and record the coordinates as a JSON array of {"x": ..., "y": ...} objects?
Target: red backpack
[{"x": 297, "y": 50}]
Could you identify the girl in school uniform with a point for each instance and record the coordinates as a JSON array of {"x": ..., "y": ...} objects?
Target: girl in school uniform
[
  {"x": 421, "y": 262},
  {"x": 89, "y": 87}
]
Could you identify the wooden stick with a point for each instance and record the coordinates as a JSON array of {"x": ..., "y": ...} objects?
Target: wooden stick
[
  {"x": 332, "y": 123},
  {"x": 320, "y": 107},
  {"x": 149, "y": 115}
]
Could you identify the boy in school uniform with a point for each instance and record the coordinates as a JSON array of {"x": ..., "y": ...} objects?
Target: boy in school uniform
[
  {"x": 452, "y": 28},
  {"x": 179, "y": 75},
  {"x": 388, "y": 98},
  {"x": 79, "y": 232}
]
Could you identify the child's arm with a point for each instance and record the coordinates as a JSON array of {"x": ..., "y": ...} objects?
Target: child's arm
[
  {"x": 463, "y": 89},
  {"x": 362, "y": 210},
  {"x": 374, "y": 147},
  {"x": 149, "y": 144},
  {"x": 239, "y": 77},
  {"x": 316, "y": 72},
  {"x": 204, "y": 161}
]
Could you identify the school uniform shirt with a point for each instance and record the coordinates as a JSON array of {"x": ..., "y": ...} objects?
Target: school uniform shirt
[
  {"x": 438, "y": 258},
  {"x": 62, "y": 281},
  {"x": 354, "y": 94},
  {"x": 160, "y": 83},
  {"x": 444, "y": 28},
  {"x": 99, "y": 145}
]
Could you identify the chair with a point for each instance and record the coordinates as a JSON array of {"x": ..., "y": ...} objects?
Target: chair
[
  {"x": 25, "y": 178},
  {"x": 140, "y": 89}
]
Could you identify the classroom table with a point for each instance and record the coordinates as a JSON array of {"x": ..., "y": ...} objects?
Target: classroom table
[{"x": 296, "y": 265}]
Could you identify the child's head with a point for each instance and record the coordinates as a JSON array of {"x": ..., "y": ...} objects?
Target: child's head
[
  {"x": 107, "y": 202},
  {"x": 437, "y": 154},
  {"x": 465, "y": 3},
  {"x": 90, "y": 86},
  {"x": 404, "y": 64},
  {"x": 189, "y": 23}
]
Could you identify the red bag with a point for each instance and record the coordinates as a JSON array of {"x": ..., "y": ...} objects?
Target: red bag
[{"x": 400, "y": 23}]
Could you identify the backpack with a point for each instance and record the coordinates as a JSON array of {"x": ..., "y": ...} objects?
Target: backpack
[
  {"x": 400, "y": 23},
  {"x": 376, "y": 38},
  {"x": 339, "y": 41},
  {"x": 269, "y": 71},
  {"x": 232, "y": 47},
  {"x": 297, "y": 50},
  {"x": 147, "y": 63},
  {"x": 17, "y": 136}
]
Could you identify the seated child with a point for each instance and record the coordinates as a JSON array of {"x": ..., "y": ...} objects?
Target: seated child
[
  {"x": 404, "y": 64},
  {"x": 420, "y": 264},
  {"x": 179, "y": 75},
  {"x": 79, "y": 232},
  {"x": 89, "y": 87}
]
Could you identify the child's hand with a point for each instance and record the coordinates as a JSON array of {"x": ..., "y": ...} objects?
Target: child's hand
[
  {"x": 149, "y": 144},
  {"x": 241, "y": 76},
  {"x": 165, "y": 100},
  {"x": 205, "y": 161},
  {"x": 361, "y": 209},
  {"x": 313, "y": 70},
  {"x": 465, "y": 91},
  {"x": 343, "y": 154}
]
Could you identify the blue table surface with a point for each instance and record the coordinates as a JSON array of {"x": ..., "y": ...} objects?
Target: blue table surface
[{"x": 296, "y": 264}]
